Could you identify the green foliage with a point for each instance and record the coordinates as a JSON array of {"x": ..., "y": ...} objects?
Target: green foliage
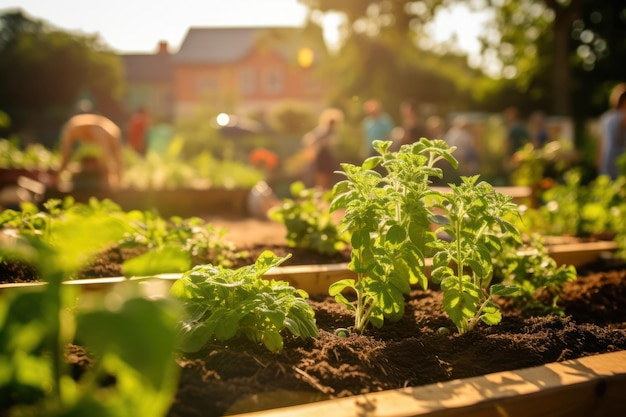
[
  {"x": 172, "y": 245},
  {"x": 474, "y": 219},
  {"x": 33, "y": 157},
  {"x": 560, "y": 210},
  {"x": 575, "y": 209},
  {"x": 55, "y": 230},
  {"x": 389, "y": 221},
  {"x": 224, "y": 303},
  {"x": 292, "y": 118},
  {"x": 175, "y": 169},
  {"x": 32, "y": 53},
  {"x": 37, "y": 325},
  {"x": 531, "y": 269},
  {"x": 307, "y": 220}
]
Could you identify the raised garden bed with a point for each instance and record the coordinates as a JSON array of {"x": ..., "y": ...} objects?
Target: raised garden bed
[
  {"x": 180, "y": 202},
  {"x": 240, "y": 377},
  {"x": 431, "y": 336}
]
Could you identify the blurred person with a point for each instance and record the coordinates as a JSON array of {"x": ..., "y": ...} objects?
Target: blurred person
[
  {"x": 412, "y": 128},
  {"x": 538, "y": 129},
  {"x": 137, "y": 130},
  {"x": 614, "y": 139},
  {"x": 517, "y": 134},
  {"x": 616, "y": 92},
  {"x": 96, "y": 130},
  {"x": 377, "y": 125},
  {"x": 460, "y": 136},
  {"x": 159, "y": 137},
  {"x": 319, "y": 144},
  {"x": 435, "y": 127}
]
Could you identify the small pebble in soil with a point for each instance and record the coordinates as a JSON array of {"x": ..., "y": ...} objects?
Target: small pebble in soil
[
  {"x": 342, "y": 332},
  {"x": 443, "y": 331}
]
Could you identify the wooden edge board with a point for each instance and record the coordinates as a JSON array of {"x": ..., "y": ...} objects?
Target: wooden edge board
[
  {"x": 315, "y": 279},
  {"x": 579, "y": 254},
  {"x": 593, "y": 385}
]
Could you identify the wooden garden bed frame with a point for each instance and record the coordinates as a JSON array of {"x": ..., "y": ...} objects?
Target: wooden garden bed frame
[
  {"x": 589, "y": 386},
  {"x": 586, "y": 386},
  {"x": 315, "y": 279}
]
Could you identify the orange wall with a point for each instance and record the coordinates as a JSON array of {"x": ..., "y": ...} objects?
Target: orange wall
[{"x": 226, "y": 79}]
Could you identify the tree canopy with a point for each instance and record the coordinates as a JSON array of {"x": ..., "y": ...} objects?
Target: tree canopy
[
  {"x": 561, "y": 56},
  {"x": 45, "y": 71},
  {"x": 380, "y": 57}
]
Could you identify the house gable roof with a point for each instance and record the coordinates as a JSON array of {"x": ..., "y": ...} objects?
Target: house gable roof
[
  {"x": 147, "y": 67},
  {"x": 223, "y": 45}
]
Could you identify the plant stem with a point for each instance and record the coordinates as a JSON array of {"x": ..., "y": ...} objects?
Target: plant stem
[
  {"x": 459, "y": 248},
  {"x": 472, "y": 322}
]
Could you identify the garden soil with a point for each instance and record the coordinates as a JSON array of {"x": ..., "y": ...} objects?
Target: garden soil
[{"x": 240, "y": 376}]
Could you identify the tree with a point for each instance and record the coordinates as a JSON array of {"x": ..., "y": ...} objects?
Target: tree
[
  {"x": 559, "y": 55},
  {"x": 44, "y": 70},
  {"x": 382, "y": 37},
  {"x": 578, "y": 43},
  {"x": 530, "y": 38},
  {"x": 598, "y": 50}
]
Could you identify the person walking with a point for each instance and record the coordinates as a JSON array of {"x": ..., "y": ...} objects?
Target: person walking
[
  {"x": 137, "y": 130},
  {"x": 616, "y": 92},
  {"x": 466, "y": 153},
  {"x": 319, "y": 144},
  {"x": 377, "y": 125},
  {"x": 614, "y": 139},
  {"x": 412, "y": 128}
]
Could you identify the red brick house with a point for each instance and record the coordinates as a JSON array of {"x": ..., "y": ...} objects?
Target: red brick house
[
  {"x": 149, "y": 82},
  {"x": 234, "y": 69}
]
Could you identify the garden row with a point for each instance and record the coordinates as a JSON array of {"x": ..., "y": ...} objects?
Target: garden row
[{"x": 461, "y": 249}]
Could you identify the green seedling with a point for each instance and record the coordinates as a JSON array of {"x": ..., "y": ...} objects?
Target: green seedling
[
  {"x": 474, "y": 220},
  {"x": 389, "y": 222},
  {"x": 307, "y": 220},
  {"x": 171, "y": 245},
  {"x": 222, "y": 304},
  {"x": 38, "y": 324},
  {"x": 535, "y": 273}
]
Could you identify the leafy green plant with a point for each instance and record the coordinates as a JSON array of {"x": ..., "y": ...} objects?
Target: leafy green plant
[
  {"x": 474, "y": 220},
  {"x": 576, "y": 209},
  {"x": 33, "y": 157},
  {"x": 389, "y": 220},
  {"x": 174, "y": 244},
  {"x": 307, "y": 220},
  {"x": 599, "y": 198},
  {"x": 37, "y": 325},
  {"x": 173, "y": 170},
  {"x": 171, "y": 245},
  {"x": 225, "y": 303},
  {"x": 537, "y": 276}
]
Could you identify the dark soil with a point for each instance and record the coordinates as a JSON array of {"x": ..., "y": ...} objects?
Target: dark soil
[
  {"x": 241, "y": 376},
  {"x": 244, "y": 377}
]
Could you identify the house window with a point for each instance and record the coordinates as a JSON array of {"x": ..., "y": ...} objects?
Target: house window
[
  {"x": 207, "y": 83},
  {"x": 273, "y": 81},
  {"x": 247, "y": 81}
]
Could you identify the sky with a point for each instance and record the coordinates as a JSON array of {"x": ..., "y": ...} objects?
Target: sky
[{"x": 137, "y": 26}]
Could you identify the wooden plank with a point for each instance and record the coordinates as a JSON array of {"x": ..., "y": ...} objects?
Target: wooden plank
[
  {"x": 593, "y": 385},
  {"x": 582, "y": 253},
  {"x": 315, "y": 279}
]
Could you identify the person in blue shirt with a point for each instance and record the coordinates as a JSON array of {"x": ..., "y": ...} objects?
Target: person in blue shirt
[
  {"x": 517, "y": 133},
  {"x": 613, "y": 139},
  {"x": 616, "y": 91},
  {"x": 377, "y": 125}
]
